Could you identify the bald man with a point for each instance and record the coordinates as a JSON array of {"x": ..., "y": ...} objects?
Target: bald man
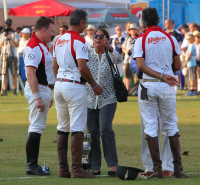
[{"x": 169, "y": 26}]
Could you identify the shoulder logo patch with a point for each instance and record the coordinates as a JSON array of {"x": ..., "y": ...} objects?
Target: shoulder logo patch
[
  {"x": 85, "y": 49},
  {"x": 31, "y": 57}
]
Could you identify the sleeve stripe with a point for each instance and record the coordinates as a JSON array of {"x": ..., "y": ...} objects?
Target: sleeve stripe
[{"x": 31, "y": 66}]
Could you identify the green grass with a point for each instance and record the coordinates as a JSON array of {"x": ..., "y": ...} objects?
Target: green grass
[{"x": 14, "y": 125}]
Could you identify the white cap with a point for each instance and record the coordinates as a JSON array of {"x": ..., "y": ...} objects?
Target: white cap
[
  {"x": 90, "y": 27},
  {"x": 133, "y": 26},
  {"x": 26, "y": 30}
]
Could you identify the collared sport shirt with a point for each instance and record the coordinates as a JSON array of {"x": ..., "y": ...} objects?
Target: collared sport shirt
[
  {"x": 37, "y": 54},
  {"x": 158, "y": 49},
  {"x": 68, "y": 48}
]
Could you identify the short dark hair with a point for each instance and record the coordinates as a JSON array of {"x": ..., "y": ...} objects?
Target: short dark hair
[
  {"x": 104, "y": 32},
  {"x": 77, "y": 16},
  {"x": 64, "y": 26},
  {"x": 43, "y": 22},
  {"x": 19, "y": 28},
  {"x": 150, "y": 17}
]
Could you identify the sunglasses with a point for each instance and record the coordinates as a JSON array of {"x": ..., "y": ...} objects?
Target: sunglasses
[
  {"x": 100, "y": 36},
  {"x": 198, "y": 37}
]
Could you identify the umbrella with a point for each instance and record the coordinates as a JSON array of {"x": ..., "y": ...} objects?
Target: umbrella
[
  {"x": 111, "y": 17},
  {"x": 49, "y": 8}
]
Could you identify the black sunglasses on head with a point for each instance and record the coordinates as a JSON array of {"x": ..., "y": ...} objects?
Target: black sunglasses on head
[{"x": 100, "y": 36}]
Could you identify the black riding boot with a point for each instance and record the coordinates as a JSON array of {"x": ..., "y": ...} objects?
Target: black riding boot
[{"x": 32, "y": 153}]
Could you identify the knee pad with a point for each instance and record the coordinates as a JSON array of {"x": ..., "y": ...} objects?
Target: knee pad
[
  {"x": 62, "y": 133},
  {"x": 74, "y": 133}
]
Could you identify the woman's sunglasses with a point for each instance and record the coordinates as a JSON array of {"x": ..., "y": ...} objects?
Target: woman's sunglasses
[{"x": 100, "y": 36}]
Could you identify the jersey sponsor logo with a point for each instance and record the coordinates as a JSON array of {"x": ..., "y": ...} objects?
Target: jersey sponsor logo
[
  {"x": 85, "y": 49},
  {"x": 60, "y": 42},
  {"x": 155, "y": 40},
  {"x": 31, "y": 57}
]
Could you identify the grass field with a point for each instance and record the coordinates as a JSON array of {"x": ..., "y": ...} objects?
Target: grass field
[{"x": 13, "y": 129}]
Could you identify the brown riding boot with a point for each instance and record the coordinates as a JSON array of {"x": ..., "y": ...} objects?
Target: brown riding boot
[
  {"x": 77, "y": 147},
  {"x": 62, "y": 147},
  {"x": 155, "y": 155},
  {"x": 175, "y": 148}
]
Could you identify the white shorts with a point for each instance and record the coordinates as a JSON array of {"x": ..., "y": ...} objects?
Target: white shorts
[
  {"x": 71, "y": 106},
  {"x": 38, "y": 119},
  {"x": 162, "y": 99}
]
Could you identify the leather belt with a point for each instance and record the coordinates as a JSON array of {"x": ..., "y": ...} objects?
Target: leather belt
[
  {"x": 50, "y": 85},
  {"x": 72, "y": 81},
  {"x": 150, "y": 80}
]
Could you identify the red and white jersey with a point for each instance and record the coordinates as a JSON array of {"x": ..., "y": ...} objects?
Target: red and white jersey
[
  {"x": 67, "y": 49},
  {"x": 37, "y": 54},
  {"x": 158, "y": 49}
]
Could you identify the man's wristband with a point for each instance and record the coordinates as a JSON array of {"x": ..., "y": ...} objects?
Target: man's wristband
[
  {"x": 161, "y": 76},
  {"x": 37, "y": 96},
  {"x": 93, "y": 88}
]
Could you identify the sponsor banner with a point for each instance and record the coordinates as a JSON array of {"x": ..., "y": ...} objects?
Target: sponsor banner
[
  {"x": 120, "y": 15},
  {"x": 95, "y": 15},
  {"x": 137, "y": 7}
]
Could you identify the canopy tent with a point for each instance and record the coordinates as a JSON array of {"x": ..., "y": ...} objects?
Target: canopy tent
[
  {"x": 85, "y": 3},
  {"x": 49, "y": 8},
  {"x": 111, "y": 17}
]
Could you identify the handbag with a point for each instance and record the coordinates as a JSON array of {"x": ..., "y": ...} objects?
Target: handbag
[{"x": 120, "y": 89}]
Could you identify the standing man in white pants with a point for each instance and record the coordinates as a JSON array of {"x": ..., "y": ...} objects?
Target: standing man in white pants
[
  {"x": 39, "y": 73},
  {"x": 70, "y": 67},
  {"x": 155, "y": 51},
  {"x": 166, "y": 156}
]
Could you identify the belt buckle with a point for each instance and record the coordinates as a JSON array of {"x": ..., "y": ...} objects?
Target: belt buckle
[{"x": 61, "y": 79}]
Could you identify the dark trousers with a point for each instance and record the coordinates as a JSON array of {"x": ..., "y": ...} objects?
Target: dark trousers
[{"x": 99, "y": 123}]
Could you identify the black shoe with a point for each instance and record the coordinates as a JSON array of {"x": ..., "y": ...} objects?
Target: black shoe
[
  {"x": 14, "y": 92},
  {"x": 97, "y": 173},
  {"x": 36, "y": 170},
  {"x": 112, "y": 173},
  {"x": 4, "y": 93}
]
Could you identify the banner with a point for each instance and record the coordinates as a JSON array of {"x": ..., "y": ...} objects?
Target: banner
[{"x": 137, "y": 7}]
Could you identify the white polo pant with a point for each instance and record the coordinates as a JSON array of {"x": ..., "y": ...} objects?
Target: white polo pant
[
  {"x": 165, "y": 154},
  {"x": 71, "y": 106},
  {"x": 38, "y": 119},
  {"x": 162, "y": 99}
]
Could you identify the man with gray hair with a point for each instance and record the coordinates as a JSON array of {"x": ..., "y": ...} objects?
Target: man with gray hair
[{"x": 70, "y": 93}]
